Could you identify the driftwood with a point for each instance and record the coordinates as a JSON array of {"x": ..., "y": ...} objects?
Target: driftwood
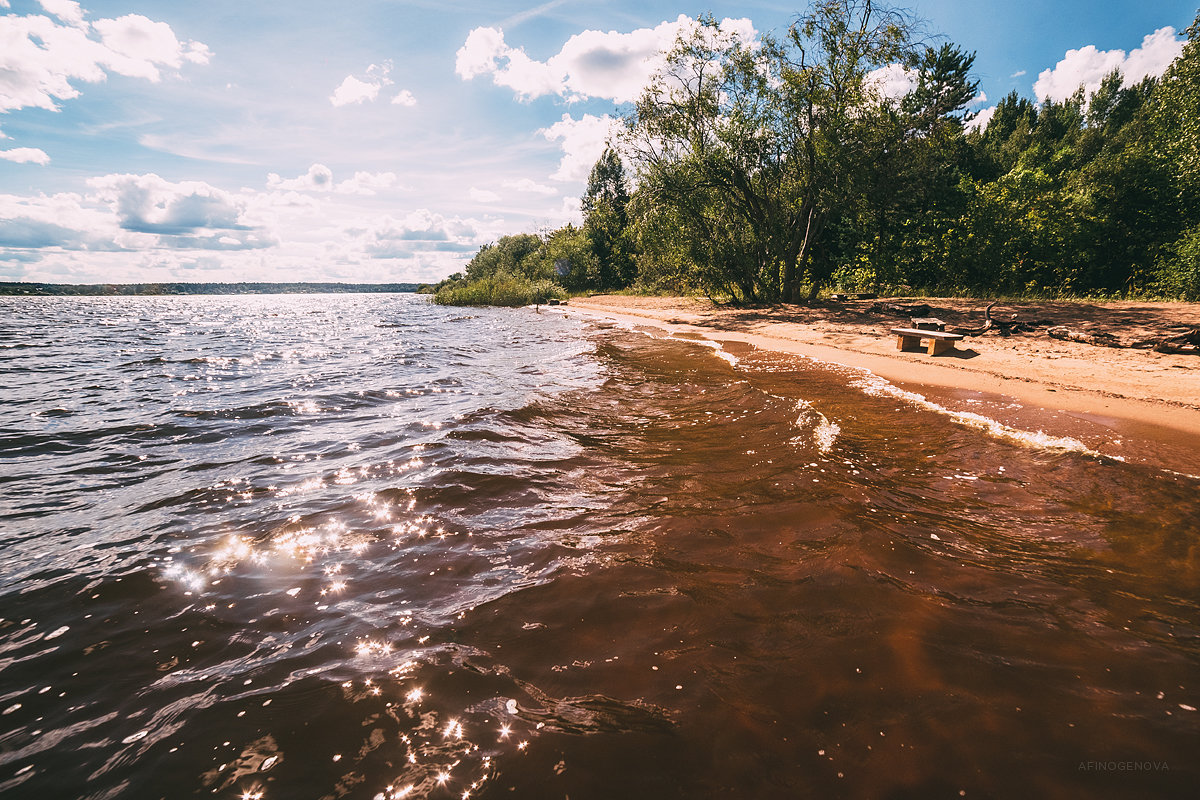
[
  {"x": 1097, "y": 339},
  {"x": 1188, "y": 343},
  {"x": 920, "y": 310},
  {"x": 1001, "y": 326},
  {"x": 1184, "y": 343}
]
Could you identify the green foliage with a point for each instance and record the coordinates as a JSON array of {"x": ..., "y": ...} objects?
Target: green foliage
[
  {"x": 606, "y": 224},
  {"x": 498, "y": 289},
  {"x": 1179, "y": 268},
  {"x": 767, "y": 172},
  {"x": 511, "y": 255}
]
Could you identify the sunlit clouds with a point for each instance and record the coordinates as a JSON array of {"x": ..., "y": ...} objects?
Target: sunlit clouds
[
  {"x": 45, "y": 58},
  {"x": 1087, "y": 66},
  {"x": 591, "y": 64},
  {"x": 236, "y": 142},
  {"x": 582, "y": 141},
  {"x": 355, "y": 90}
]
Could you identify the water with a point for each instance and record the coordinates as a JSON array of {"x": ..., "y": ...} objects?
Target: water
[{"x": 363, "y": 546}]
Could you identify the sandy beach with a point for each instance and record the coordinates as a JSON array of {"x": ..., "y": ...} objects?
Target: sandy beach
[{"x": 1117, "y": 400}]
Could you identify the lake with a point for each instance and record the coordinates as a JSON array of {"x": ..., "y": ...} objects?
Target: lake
[{"x": 364, "y": 546}]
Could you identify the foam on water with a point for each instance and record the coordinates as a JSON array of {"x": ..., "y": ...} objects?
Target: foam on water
[
  {"x": 824, "y": 431},
  {"x": 875, "y": 386}
]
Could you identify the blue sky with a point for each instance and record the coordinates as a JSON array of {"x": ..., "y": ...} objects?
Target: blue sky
[{"x": 385, "y": 140}]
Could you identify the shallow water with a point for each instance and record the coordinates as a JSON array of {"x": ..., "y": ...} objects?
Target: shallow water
[{"x": 362, "y": 546}]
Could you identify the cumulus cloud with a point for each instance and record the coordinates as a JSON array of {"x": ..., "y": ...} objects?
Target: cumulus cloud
[
  {"x": 61, "y": 221},
  {"x": 68, "y": 11},
  {"x": 530, "y": 187},
  {"x": 582, "y": 141},
  {"x": 366, "y": 89},
  {"x": 419, "y": 232},
  {"x": 147, "y": 228},
  {"x": 893, "y": 81},
  {"x": 368, "y": 183},
  {"x": 150, "y": 204},
  {"x": 30, "y": 233},
  {"x": 404, "y": 98},
  {"x": 319, "y": 178},
  {"x": 41, "y": 56},
  {"x": 981, "y": 119},
  {"x": 610, "y": 65},
  {"x": 25, "y": 155},
  {"x": 352, "y": 90},
  {"x": 1087, "y": 66}
]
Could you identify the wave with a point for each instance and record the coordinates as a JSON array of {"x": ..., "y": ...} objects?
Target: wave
[{"x": 872, "y": 385}]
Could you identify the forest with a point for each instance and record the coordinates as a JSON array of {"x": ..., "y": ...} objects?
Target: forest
[{"x": 774, "y": 171}]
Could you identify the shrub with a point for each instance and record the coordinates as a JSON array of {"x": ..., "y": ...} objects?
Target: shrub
[{"x": 500, "y": 289}]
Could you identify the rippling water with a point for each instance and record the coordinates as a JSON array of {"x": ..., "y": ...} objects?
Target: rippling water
[{"x": 363, "y": 546}]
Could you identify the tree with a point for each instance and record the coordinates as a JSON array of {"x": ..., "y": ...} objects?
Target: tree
[
  {"x": 606, "y": 222},
  {"x": 510, "y": 254},
  {"x": 754, "y": 149},
  {"x": 1175, "y": 115}
]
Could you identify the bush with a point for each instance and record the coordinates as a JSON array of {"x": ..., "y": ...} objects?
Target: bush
[
  {"x": 1179, "y": 271},
  {"x": 500, "y": 289}
]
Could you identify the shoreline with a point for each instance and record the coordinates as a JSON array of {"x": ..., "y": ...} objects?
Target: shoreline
[{"x": 1137, "y": 405}]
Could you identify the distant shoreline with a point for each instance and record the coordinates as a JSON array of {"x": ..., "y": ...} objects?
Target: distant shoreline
[{"x": 18, "y": 289}]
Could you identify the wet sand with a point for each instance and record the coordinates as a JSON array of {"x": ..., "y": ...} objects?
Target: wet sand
[{"x": 1130, "y": 403}]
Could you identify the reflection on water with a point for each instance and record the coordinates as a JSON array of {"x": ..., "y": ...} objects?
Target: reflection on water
[{"x": 368, "y": 547}]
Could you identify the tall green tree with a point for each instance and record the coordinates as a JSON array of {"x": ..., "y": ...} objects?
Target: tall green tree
[
  {"x": 605, "y": 206},
  {"x": 755, "y": 149},
  {"x": 1175, "y": 116}
]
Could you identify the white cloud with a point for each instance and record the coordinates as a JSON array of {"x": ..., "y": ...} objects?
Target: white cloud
[
  {"x": 981, "y": 119},
  {"x": 63, "y": 221},
  {"x": 530, "y": 187},
  {"x": 483, "y": 195},
  {"x": 68, "y": 11},
  {"x": 583, "y": 141},
  {"x": 572, "y": 209},
  {"x": 481, "y": 53},
  {"x": 368, "y": 183},
  {"x": 893, "y": 81},
  {"x": 421, "y": 232},
  {"x": 354, "y": 90},
  {"x": 140, "y": 45},
  {"x": 319, "y": 178},
  {"x": 25, "y": 155},
  {"x": 1018, "y": 74},
  {"x": 150, "y": 204},
  {"x": 610, "y": 65},
  {"x": 39, "y": 57},
  {"x": 143, "y": 228},
  {"x": 404, "y": 98},
  {"x": 1087, "y": 66}
]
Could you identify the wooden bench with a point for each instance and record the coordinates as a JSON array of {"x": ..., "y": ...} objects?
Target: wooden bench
[{"x": 939, "y": 341}]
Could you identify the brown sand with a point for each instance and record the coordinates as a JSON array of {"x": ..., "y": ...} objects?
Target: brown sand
[{"x": 1026, "y": 379}]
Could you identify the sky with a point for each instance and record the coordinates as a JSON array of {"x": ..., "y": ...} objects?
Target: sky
[{"x": 386, "y": 140}]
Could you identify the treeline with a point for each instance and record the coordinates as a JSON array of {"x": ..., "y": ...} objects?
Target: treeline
[
  {"x": 154, "y": 289},
  {"x": 771, "y": 172}
]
